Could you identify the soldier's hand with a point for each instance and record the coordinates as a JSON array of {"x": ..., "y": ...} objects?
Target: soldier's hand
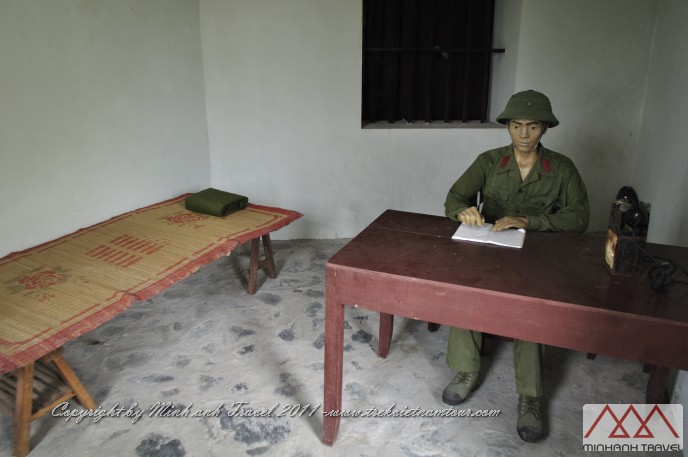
[
  {"x": 471, "y": 216},
  {"x": 510, "y": 222}
]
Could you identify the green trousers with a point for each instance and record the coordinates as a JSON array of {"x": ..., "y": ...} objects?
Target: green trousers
[{"x": 463, "y": 354}]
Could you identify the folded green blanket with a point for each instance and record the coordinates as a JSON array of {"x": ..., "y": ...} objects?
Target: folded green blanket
[{"x": 215, "y": 202}]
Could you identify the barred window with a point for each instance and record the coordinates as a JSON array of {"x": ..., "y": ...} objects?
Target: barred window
[{"x": 426, "y": 60}]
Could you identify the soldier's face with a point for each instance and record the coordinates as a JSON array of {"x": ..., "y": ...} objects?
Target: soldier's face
[{"x": 526, "y": 133}]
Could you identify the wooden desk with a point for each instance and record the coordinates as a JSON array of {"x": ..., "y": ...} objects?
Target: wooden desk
[{"x": 556, "y": 290}]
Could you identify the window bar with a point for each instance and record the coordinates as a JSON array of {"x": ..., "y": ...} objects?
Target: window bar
[
  {"x": 370, "y": 60},
  {"x": 448, "y": 67},
  {"x": 410, "y": 68},
  {"x": 392, "y": 73},
  {"x": 402, "y": 60},
  {"x": 437, "y": 49},
  {"x": 466, "y": 66},
  {"x": 392, "y": 86},
  {"x": 367, "y": 62},
  {"x": 373, "y": 60},
  {"x": 487, "y": 63},
  {"x": 378, "y": 61},
  {"x": 428, "y": 96}
]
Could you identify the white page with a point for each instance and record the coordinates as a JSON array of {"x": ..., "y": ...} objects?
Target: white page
[{"x": 484, "y": 234}]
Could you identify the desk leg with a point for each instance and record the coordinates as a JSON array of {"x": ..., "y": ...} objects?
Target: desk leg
[
  {"x": 656, "y": 385},
  {"x": 334, "y": 358},
  {"x": 385, "y": 334}
]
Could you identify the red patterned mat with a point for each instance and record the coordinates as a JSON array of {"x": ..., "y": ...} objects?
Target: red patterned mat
[{"x": 62, "y": 289}]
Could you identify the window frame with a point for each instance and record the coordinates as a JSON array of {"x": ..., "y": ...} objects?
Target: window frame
[{"x": 389, "y": 46}]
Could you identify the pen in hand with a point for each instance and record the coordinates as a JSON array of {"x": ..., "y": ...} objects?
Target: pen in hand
[{"x": 471, "y": 216}]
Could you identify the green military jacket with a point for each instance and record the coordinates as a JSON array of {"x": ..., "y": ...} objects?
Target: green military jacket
[{"x": 552, "y": 197}]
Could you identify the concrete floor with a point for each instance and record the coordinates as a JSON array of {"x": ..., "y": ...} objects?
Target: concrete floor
[{"x": 205, "y": 345}]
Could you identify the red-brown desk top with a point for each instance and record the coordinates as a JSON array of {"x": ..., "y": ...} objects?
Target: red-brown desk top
[
  {"x": 552, "y": 270},
  {"x": 556, "y": 290}
]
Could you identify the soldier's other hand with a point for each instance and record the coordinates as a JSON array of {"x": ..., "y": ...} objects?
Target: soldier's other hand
[{"x": 510, "y": 222}]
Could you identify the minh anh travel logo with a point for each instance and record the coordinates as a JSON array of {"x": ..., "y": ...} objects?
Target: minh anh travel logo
[{"x": 632, "y": 427}]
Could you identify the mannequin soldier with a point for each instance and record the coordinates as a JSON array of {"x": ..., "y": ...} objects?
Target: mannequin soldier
[{"x": 522, "y": 185}]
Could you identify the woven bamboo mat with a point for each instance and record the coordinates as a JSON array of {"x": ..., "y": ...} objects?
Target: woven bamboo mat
[{"x": 57, "y": 291}]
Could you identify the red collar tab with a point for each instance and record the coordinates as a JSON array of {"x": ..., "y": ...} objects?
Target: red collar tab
[
  {"x": 546, "y": 166},
  {"x": 505, "y": 160}
]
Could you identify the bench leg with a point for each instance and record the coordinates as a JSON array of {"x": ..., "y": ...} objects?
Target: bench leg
[
  {"x": 70, "y": 378},
  {"x": 268, "y": 263},
  {"x": 22, "y": 411}
]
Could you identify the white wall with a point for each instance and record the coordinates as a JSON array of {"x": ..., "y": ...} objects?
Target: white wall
[
  {"x": 283, "y": 82},
  {"x": 592, "y": 58},
  {"x": 101, "y": 111},
  {"x": 506, "y": 33},
  {"x": 661, "y": 159},
  {"x": 103, "y": 108}
]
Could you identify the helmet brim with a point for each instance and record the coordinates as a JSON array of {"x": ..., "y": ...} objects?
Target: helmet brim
[
  {"x": 529, "y": 104},
  {"x": 536, "y": 115}
]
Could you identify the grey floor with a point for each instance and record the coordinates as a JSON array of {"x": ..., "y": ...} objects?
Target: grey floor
[{"x": 207, "y": 345}]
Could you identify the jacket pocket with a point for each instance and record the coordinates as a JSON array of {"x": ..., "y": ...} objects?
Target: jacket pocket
[
  {"x": 496, "y": 204},
  {"x": 500, "y": 196},
  {"x": 543, "y": 203}
]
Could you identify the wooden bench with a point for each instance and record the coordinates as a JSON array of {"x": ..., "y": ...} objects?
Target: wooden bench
[{"x": 59, "y": 290}]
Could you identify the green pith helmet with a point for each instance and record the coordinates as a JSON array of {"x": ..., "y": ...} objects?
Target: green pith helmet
[{"x": 528, "y": 104}]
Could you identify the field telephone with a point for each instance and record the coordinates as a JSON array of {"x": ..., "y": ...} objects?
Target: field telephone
[{"x": 627, "y": 233}]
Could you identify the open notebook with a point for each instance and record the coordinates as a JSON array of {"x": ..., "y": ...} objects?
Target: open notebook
[{"x": 484, "y": 234}]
